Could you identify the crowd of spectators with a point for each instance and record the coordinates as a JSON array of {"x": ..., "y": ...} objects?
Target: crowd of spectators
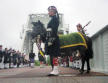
[{"x": 10, "y": 58}]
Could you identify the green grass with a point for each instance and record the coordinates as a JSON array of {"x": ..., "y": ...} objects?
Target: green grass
[{"x": 37, "y": 63}]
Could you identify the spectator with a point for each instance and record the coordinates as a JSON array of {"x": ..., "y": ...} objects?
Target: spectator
[
  {"x": 1, "y": 57},
  {"x": 31, "y": 58}
]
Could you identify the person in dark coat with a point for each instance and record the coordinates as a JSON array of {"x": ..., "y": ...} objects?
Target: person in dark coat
[
  {"x": 10, "y": 58},
  {"x": 23, "y": 58},
  {"x": 15, "y": 59},
  {"x": 1, "y": 56},
  {"x": 19, "y": 59},
  {"x": 31, "y": 58},
  {"x": 52, "y": 47},
  {"x": 1, "y": 53},
  {"x": 6, "y": 58}
]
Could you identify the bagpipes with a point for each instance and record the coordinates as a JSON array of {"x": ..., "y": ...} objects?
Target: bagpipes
[
  {"x": 87, "y": 24},
  {"x": 83, "y": 28}
]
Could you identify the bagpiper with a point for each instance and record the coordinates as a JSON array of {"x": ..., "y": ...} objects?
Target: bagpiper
[
  {"x": 88, "y": 52},
  {"x": 52, "y": 46}
]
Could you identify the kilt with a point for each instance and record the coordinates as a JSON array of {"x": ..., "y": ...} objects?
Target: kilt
[{"x": 54, "y": 49}]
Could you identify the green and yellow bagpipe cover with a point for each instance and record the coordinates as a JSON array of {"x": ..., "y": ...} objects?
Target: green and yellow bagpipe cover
[{"x": 72, "y": 39}]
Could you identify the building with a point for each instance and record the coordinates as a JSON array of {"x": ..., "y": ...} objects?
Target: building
[{"x": 100, "y": 49}]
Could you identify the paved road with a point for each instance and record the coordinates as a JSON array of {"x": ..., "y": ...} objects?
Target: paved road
[{"x": 39, "y": 75}]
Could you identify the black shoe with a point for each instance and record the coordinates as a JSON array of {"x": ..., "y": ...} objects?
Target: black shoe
[
  {"x": 52, "y": 75},
  {"x": 81, "y": 71},
  {"x": 87, "y": 71}
]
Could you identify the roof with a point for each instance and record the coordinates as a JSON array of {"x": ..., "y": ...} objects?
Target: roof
[{"x": 100, "y": 32}]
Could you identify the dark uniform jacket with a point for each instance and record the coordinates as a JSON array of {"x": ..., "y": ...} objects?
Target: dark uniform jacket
[
  {"x": 6, "y": 56},
  {"x": 1, "y": 55},
  {"x": 54, "y": 49},
  {"x": 53, "y": 24}
]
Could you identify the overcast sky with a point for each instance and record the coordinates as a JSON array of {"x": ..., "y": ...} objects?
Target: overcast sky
[{"x": 14, "y": 13}]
